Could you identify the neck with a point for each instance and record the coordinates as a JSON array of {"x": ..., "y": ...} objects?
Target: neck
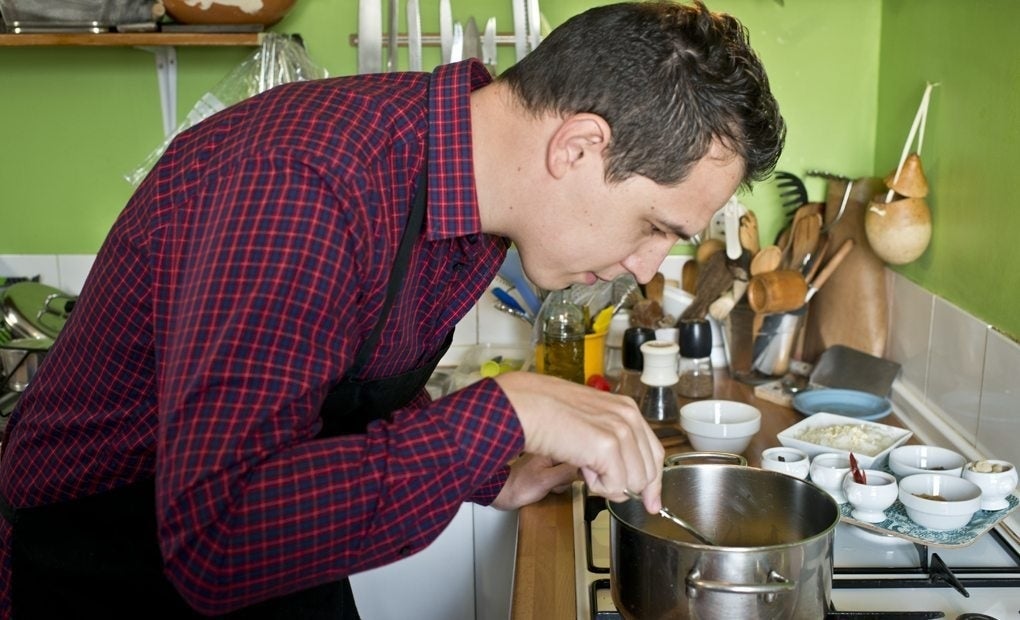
[{"x": 508, "y": 163}]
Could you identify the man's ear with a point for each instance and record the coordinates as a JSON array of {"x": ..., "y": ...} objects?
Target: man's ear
[{"x": 578, "y": 137}]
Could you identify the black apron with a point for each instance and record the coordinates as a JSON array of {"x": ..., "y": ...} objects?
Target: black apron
[{"x": 68, "y": 557}]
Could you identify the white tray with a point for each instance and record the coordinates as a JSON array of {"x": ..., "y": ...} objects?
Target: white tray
[{"x": 898, "y": 524}]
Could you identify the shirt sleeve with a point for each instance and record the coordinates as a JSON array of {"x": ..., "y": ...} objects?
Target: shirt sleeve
[{"x": 266, "y": 315}]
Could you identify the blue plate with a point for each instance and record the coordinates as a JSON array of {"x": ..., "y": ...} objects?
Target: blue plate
[{"x": 850, "y": 403}]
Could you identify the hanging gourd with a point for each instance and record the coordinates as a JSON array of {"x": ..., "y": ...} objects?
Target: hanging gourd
[{"x": 898, "y": 225}]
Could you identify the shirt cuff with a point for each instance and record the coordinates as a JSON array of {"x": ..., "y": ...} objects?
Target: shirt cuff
[{"x": 487, "y": 492}]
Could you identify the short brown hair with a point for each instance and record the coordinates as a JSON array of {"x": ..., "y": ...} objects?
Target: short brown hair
[{"x": 668, "y": 78}]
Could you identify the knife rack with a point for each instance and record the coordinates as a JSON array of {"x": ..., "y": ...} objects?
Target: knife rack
[{"x": 431, "y": 39}]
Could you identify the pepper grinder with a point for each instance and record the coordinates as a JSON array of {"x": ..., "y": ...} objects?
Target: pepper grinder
[
  {"x": 613, "y": 364},
  {"x": 633, "y": 362},
  {"x": 696, "y": 379},
  {"x": 659, "y": 377}
]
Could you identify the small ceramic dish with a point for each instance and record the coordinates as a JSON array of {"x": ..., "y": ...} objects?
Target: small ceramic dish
[
  {"x": 720, "y": 425},
  {"x": 910, "y": 460},
  {"x": 870, "y": 442},
  {"x": 997, "y": 480},
  {"x": 939, "y": 502},
  {"x": 827, "y": 473},
  {"x": 789, "y": 461},
  {"x": 873, "y": 497}
]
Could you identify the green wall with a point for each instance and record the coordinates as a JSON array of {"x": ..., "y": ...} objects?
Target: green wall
[
  {"x": 971, "y": 145},
  {"x": 77, "y": 119}
]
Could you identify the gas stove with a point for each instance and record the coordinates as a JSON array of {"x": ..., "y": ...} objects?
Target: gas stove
[{"x": 873, "y": 572}]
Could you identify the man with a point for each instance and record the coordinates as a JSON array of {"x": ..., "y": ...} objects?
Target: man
[{"x": 233, "y": 419}]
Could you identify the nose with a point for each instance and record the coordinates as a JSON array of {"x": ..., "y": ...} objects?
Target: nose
[{"x": 644, "y": 263}]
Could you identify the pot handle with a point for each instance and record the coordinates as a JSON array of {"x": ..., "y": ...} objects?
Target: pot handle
[
  {"x": 698, "y": 458},
  {"x": 776, "y": 585}
]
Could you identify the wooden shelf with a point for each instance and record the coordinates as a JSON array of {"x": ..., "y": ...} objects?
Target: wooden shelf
[{"x": 111, "y": 39}]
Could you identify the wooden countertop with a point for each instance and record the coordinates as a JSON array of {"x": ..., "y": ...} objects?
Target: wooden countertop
[{"x": 544, "y": 572}]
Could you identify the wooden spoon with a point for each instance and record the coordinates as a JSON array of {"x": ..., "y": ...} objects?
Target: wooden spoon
[
  {"x": 714, "y": 277},
  {"x": 767, "y": 259},
  {"x": 805, "y": 240},
  {"x": 749, "y": 233}
]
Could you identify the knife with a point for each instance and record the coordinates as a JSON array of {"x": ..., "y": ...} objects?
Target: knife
[
  {"x": 489, "y": 45},
  {"x": 534, "y": 24},
  {"x": 472, "y": 40},
  {"x": 520, "y": 29},
  {"x": 369, "y": 36},
  {"x": 413, "y": 35},
  {"x": 457, "y": 46},
  {"x": 445, "y": 30},
  {"x": 394, "y": 25}
]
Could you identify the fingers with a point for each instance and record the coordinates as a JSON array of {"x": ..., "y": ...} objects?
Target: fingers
[{"x": 603, "y": 434}]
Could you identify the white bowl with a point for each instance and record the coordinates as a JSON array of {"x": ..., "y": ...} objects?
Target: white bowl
[
  {"x": 870, "y": 442},
  {"x": 958, "y": 500},
  {"x": 910, "y": 460},
  {"x": 870, "y": 500},
  {"x": 995, "y": 486},
  {"x": 720, "y": 425},
  {"x": 827, "y": 473},
  {"x": 789, "y": 461}
]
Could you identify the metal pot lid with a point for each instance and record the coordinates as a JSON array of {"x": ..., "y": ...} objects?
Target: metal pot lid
[
  {"x": 28, "y": 344},
  {"x": 34, "y": 310}
]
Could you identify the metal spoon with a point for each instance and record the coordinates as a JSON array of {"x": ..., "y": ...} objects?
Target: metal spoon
[{"x": 666, "y": 513}]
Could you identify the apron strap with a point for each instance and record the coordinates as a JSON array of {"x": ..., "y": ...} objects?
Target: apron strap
[{"x": 414, "y": 223}]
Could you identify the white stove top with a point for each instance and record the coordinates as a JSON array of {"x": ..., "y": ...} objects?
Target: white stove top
[{"x": 857, "y": 554}]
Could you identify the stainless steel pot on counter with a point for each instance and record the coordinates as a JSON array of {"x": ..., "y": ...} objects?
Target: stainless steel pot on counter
[
  {"x": 20, "y": 360},
  {"x": 773, "y": 557}
]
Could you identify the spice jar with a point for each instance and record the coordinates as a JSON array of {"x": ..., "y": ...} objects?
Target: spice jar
[
  {"x": 633, "y": 362},
  {"x": 659, "y": 377},
  {"x": 695, "y": 368}
]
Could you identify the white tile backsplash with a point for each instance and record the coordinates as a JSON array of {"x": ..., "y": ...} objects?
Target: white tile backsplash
[
  {"x": 910, "y": 320},
  {"x": 66, "y": 272},
  {"x": 961, "y": 379},
  {"x": 999, "y": 415},
  {"x": 955, "y": 365}
]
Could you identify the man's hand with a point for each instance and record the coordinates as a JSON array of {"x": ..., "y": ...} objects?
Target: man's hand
[
  {"x": 532, "y": 477},
  {"x": 602, "y": 434}
]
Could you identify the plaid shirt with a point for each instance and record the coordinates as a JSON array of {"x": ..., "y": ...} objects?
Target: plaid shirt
[{"x": 231, "y": 293}]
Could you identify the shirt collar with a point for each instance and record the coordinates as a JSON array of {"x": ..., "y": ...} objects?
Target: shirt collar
[{"x": 453, "y": 203}]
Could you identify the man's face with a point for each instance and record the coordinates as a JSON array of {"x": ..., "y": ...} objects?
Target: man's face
[{"x": 597, "y": 231}]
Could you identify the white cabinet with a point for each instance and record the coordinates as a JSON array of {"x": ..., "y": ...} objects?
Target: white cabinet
[{"x": 466, "y": 574}]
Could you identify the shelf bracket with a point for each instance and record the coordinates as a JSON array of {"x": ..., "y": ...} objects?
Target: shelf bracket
[{"x": 166, "y": 75}]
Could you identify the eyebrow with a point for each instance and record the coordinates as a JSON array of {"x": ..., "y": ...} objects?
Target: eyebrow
[{"x": 676, "y": 230}]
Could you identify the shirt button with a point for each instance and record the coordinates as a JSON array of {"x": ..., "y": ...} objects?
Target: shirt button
[{"x": 405, "y": 550}]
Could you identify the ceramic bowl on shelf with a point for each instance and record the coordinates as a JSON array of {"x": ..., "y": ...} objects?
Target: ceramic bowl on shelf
[
  {"x": 997, "y": 480},
  {"x": 789, "y": 461},
  {"x": 720, "y": 425},
  {"x": 827, "y": 472},
  {"x": 871, "y": 498},
  {"x": 914, "y": 459},
  {"x": 939, "y": 502}
]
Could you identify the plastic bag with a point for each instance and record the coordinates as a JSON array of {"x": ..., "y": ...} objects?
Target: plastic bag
[{"x": 278, "y": 60}]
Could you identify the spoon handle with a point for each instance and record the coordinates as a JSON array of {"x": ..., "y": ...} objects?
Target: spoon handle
[{"x": 666, "y": 513}]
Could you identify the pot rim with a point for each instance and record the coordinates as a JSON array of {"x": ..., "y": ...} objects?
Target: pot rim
[{"x": 828, "y": 531}]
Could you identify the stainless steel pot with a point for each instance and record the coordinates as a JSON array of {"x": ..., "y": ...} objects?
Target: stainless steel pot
[
  {"x": 20, "y": 359},
  {"x": 773, "y": 557}
]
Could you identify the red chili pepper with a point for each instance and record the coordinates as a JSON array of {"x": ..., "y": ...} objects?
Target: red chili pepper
[
  {"x": 599, "y": 383},
  {"x": 858, "y": 473}
]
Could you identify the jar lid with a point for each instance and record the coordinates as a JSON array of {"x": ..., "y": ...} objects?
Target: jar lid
[
  {"x": 34, "y": 310},
  {"x": 633, "y": 338},
  {"x": 695, "y": 338}
]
